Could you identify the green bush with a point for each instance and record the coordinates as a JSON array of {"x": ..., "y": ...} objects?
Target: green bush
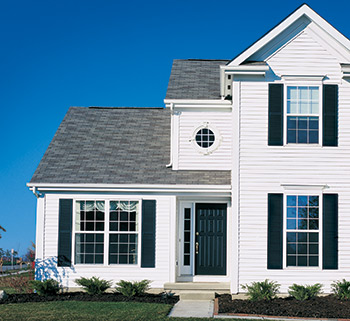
[
  {"x": 94, "y": 285},
  {"x": 304, "y": 292},
  {"x": 47, "y": 287},
  {"x": 265, "y": 290},
  {"x": 341, "y": 289},
  {"x": 135, "y": 288}
]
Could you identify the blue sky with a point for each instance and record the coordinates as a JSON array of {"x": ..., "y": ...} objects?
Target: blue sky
[{"x": 56, "y": 54}]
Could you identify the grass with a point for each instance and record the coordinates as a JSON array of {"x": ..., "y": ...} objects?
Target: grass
[{"x": 74, "y": 310}]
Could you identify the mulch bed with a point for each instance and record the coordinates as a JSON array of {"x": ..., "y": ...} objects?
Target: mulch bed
[
  {"x": 320, "y": 307},
  {"x": 82, "y": 296}
]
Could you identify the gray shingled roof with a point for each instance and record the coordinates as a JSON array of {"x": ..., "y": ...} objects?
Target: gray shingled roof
[
  {"x": 195, "y": 79},
  {"x": 116, "y": 146}
]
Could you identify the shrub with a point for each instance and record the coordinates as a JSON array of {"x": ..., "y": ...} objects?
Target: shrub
[
  {"x": 135, "y": 288},
  {"x": 341, "y": 289},
  {"x": 47, "y": 287},
  {"x": 304, "y": 292},
  {"x": 94, "y": 285},
  {"x": 265, "y": 290},
  {"x": 17, "y": 283}
]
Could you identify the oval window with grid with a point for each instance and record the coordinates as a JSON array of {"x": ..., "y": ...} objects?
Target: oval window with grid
[{"x": 205, "y": 138}]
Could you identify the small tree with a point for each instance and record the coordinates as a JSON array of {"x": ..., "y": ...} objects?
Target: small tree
[{"x": 30, "y": 255}]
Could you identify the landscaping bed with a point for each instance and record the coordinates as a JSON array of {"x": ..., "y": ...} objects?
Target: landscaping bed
[
  {"x": 318, "y": 307},
  {"x": 82, "y": 296}
]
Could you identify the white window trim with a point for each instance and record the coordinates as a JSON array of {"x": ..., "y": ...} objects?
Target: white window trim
[
  {"x": 106, "y": 233},
  {"x": 302, "y": 83},
  {"x": 212, "y": 148},
  {"x": 320, "y": 229}
]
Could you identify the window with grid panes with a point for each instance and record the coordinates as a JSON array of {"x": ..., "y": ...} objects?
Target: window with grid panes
[
  {"x": 89, "y": 236},
  {"x": 205, "y": 137},
  {"x": 302, "y": 230},
  {"x": 303, "y": 107},
  {"x": 123, "y": 232}
]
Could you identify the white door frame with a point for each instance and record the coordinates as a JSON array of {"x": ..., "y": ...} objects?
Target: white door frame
[{"x": 186, "y": 273}]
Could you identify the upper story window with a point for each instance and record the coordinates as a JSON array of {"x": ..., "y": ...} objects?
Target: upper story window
[
  {"x": 303, "y": 114},
  {"x": 206, "y": 138},
  {"x": 303, "y": 106}
]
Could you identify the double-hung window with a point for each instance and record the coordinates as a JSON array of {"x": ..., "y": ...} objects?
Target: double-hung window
[
  {"x": 302, "y": 230},
  {"x": 123, "y": 236},
  {"x": 303, "y": 114},
  {"x": 89, "y": 227}
]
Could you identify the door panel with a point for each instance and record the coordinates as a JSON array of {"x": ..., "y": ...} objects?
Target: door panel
[{"x": 210, "y": 256}]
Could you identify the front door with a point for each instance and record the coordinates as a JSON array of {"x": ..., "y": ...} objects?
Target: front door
[{"x": 210, "y": 239}]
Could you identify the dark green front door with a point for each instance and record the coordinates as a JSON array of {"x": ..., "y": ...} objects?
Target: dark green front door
[{"x": 210, "y": 247}]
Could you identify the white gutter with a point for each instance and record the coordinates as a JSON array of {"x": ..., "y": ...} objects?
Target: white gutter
[
  {"x": 35, "y": 192},
  {"x": 171, "y": 135},
  {"x": 129, "y": 188},
  {"x": 198, "y": 101}
]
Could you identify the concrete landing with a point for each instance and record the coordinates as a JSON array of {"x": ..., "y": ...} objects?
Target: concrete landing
[{"x": 193, "y": 309}]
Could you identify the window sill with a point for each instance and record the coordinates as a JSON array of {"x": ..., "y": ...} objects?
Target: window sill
[{"x": 303, "y": 268}]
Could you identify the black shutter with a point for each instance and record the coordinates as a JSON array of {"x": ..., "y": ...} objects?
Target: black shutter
[
  {"x": 330, "y": 115},
  {"x": 65, "y": 232},
  {"x": 330, "y": 231},
  {"x": 275, "y": 231},
  {"x": 148, "y": 239},
  {"x": 275, "y": 131}
]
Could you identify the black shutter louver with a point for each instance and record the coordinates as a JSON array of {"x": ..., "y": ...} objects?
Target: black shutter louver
[
  {"x": 330, "y": 115},
  {"x": 275, "y": 130},
  {"x": 65, "y": 232},
  {"x": 330, "y": 231},
  {"x": 275, "y": 232},
  {"x": 148, "y": 238}
]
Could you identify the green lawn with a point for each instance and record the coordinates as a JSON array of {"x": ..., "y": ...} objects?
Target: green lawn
[{"x": 74, "y": 310}]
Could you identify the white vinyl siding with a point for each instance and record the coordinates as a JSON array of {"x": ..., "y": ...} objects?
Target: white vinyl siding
[
  {"x": 304, "y": 55},
  {"x": 158, "y": 275},
  {"x": 190, "y": 156},
  {"x": 263, "y": 169}
]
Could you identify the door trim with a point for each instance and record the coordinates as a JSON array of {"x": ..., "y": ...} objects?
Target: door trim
[{"x": 182, "y": 277}]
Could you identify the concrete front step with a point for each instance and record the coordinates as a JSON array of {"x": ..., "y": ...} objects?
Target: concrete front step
[
  {"x": 219, "y": 287},
  {"x": 196, "y": 295}
]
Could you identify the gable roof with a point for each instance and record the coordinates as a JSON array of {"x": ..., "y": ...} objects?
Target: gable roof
[
  {"x": 195, "y": 79},
  {"x": 303, "y": 10},
  {"x": 116, "y": 146}
]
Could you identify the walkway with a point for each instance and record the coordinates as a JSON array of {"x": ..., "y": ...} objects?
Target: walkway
[{"x": 193, "y": 309}]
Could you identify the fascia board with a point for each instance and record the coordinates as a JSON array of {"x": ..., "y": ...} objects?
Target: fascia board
[
  {"x": 197, "y": 101},
  {"x": 128, "y": 188}
]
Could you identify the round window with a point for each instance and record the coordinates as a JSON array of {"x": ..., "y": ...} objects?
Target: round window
[{"x": 205, "y": 138}]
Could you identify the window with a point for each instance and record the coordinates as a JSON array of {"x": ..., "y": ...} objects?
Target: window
[
  {"x": 302, "y": 230},
  {"x": 187, "y": 236},
  {"x": 123, "y": 235},
  {"x": 89, "y": 246},
  {"x": 303, "y": 108},
  {"x": 95, "y": 227},
  {"x": 205, "y": 138}
]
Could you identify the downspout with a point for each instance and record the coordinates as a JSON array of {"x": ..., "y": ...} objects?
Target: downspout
[
  {"x": 36, "y": 193},
  {"x": 171, "y": 135}
]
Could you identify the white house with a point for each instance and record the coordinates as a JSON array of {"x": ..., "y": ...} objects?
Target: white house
[{"x": 245, "y": 175}]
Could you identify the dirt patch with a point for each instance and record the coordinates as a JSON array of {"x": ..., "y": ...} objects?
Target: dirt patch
[
  {"x": 81, "y": 296},
  {"x": 320, "y": 307}
]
